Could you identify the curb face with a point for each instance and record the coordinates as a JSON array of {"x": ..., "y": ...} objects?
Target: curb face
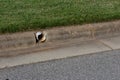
[{"x": 83, "y": 32}]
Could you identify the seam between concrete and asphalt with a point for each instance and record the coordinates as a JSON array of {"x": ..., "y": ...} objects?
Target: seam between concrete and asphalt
[{"x": 23, "y": 42}]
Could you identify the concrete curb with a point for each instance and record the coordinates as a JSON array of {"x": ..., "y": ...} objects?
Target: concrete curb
[{"x": 84, "y": 32}]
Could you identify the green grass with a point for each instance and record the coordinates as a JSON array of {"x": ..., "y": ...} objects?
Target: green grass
[{"x": 22, "y": 15}]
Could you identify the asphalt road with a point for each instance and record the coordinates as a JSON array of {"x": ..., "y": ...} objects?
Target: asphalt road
[{"x": 98, "y": 66}]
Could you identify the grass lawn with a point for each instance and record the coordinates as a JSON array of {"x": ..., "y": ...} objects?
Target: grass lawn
[{"x": 22, "y": 15}]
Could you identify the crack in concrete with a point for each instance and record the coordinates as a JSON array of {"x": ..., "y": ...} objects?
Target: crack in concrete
[{"x": 105, "y": 44}]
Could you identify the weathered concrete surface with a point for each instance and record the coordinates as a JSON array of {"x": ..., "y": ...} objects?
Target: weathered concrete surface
[
  {"x": 63, "y": 52},
  {"x": 84, "y": 32},
  {"x": 20, "y": 42},
  {"x": 113, "y": 42}
]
